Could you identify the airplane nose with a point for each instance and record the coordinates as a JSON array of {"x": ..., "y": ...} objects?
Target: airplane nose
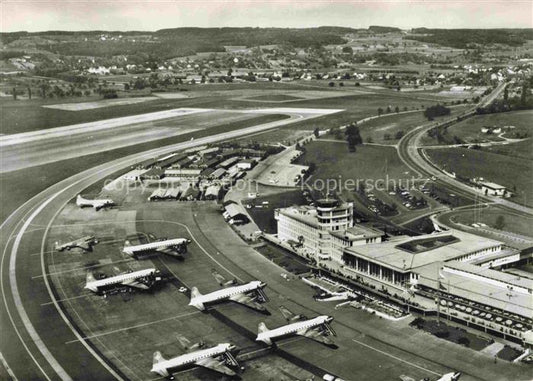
[{"x": 262, "y": 284}]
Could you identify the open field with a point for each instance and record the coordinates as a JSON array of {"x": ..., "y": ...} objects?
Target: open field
[
  {"x": 375, "y": 130},
  {"x": 521, "y": 150},
  {"x": 512, "y": 222},
  {"x": 334, "y": 161},
  {"x": 511, "y": 172},
  {"x": 469, "y": 130},
  {"x": 275, "y": 98},
  {"x": 99, "y": 104},
  {"x": 22, "y": 116}
]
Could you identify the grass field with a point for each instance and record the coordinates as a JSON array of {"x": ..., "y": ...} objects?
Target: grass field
[
  {"x": 512, "y": 172},
  {"x": 374, "y": 167},
  {"x": 391, "y": 124},
  {"x": 469, "y": 130},
  {"x": 512, "y": 222},
  {"x": 275, "y": 98},
  {"x": 521, "y": 150}
]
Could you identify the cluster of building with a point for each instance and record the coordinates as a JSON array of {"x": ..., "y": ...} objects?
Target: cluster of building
[
  {"x": 201, "y": 173},
  {"x": 462, "y": 271}
]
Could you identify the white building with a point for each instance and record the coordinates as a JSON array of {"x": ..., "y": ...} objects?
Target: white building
[
  {"x": 493, "y": 189},
  {"x": 310, "y": 227}
]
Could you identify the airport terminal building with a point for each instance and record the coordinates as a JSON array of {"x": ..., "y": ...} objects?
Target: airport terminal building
[{"x": 462, "y": 270}]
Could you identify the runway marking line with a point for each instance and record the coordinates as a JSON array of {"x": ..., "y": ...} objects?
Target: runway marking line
[
  {"x": 134, "y": 327},
  {"x": 82, "y": 268},
  {"x": 66, "y": 299},
  {"x": 397, "y": 358},
  {"x": 7, "y": 368}
]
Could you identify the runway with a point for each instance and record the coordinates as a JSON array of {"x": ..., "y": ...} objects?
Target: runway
[{"x": 36, "y": 148}]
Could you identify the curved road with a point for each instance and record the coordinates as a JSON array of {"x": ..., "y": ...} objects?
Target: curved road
[{"x": 409, "y": 152}]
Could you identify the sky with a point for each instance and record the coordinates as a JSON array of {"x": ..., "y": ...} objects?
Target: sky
[{"x": 151, "y": 15}]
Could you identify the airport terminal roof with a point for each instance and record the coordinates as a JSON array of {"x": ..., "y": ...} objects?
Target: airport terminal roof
[
  {"x": 488, "y": 273},
  {"x": 477, "y": 290},
  {"x": 357, "y": 232},
  {"x": 389, "y": 253}
]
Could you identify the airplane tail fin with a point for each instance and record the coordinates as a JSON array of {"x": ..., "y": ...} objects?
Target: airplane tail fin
[
  {"x": 263, "y": 327},
  {"x": 90, "y": 277},
  {"x": 260, "y": 337},
  {"x": 195, "y": 294},
  {"x": 156, "y": 368},
  {"x": 158, "y": 357}
]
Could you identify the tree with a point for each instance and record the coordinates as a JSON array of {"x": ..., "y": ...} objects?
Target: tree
[
  {"x": 386, "y": 136},
  {"x": 399, "y": 134},
  {"x": 505, "y": 94},
  {"x": 353, "y": 137},
  {"x": 523, "y": 94},
  {"x": 316, "y": 132},
  {"x": 380, "y": 111},
  {"x": 331, "y": 84},
  {"x": 500, "y": 222},
  {"x": 396, "y": 109}
]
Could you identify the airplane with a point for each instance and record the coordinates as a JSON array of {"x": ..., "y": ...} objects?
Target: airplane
[
  {"x": 96, "y": 204},
  {"x": 174, "y": 247},
  {"x": 216, "y": 358},
  {"x": 317, "y": 329},
  {"x": 85, "y": 243},
  {"x": 453, "y": 376},
  {"x": 141, "y": 279},
  {"x": 249, "y": 294}
]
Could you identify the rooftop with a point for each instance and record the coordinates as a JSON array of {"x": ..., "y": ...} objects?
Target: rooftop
[
  {"x": 357, "y": 232},
  {"x": 488, "y": 273},
  {"x": 391, "y": 255},
  {"x": 490, "y": 185},
  {"x": 475, "y": 289},
  {"x": 303, "y": 213}
]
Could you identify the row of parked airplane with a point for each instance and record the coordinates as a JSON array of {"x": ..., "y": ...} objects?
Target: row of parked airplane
[
  {"x": 174, "y": 247},
  {"x": 250, "y": 295},
  {"x": 221, "y": 357}
]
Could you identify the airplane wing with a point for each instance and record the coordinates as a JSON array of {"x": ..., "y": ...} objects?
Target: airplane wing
[
  {"x": 169, "y": 251},
  {"x": 83, "y": 245},
  {"x": 221, "y": 280},
  {"x": 316, "y": 334},
  {"x": 289, "y": 315},
  {"x": 216, "y": 365},
  {"x": 247, "y": 301},
  {"x": 187, "y": 345},
  {"x": 135, "y": 284}
]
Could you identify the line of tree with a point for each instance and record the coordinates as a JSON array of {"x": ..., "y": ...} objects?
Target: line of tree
[{"x": 437, "y": 110}]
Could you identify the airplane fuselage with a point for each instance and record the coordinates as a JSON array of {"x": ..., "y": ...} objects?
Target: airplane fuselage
[
  {"x": 98, "y": 285},
  {"x": 165, "y": 367},
  {"x": 132, "y": 250},
  {"x": 225, "y": 294},
  {"x": 293, "y": 328}
]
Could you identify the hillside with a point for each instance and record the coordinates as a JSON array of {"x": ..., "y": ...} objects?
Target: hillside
[{"x": 468, "y": 38}]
